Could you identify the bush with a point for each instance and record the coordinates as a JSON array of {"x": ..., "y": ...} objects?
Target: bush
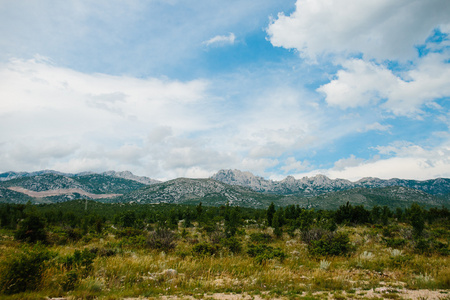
[
  {"x": 330, "y": 244},
  {"x": 23, "y": 272},
  {"x": 262, "y": 253},
  {"x": 70, "y": 280},
  {"x": 429, "y": 246},
  {"x": 80, "y": 260},
  {"x": 261, "y": 238},
  {"x": 204, "y": 249},
  {"x": 313, "y": 234},
  {"x": 31, "y": 230},
  {"x": 128, "y": 232},
  {"x": 232, "y": 244},
  {"x": 162, "y": 239},
  {"x": 395, "y": 243},
  {"x": 135, "y": 242},
  {"x": 73, "y": 234}
]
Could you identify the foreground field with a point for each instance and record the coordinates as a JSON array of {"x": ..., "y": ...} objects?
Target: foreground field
[{"x": 253, "y": 261}]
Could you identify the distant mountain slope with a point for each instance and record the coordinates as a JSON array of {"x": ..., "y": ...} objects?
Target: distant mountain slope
[
  {"x": 227, "y": 186},
  {"x": 212, "y": 192},
  {"x": 92, "y": 183},
  {"x": 123, "y": 174},
  {"x": 13, "y": 175},
  {"x": 10, "y": 196},
  {"x": 130, "y": 176},
  {"x": 320, "y": 184},
  {"x": 392, "y": 197},
  {"x": 54, "y": 186},
  {"x": 193, "y": 191}
]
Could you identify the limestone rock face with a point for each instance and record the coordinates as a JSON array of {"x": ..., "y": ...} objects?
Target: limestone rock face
[{"x": 321, "y": 184}]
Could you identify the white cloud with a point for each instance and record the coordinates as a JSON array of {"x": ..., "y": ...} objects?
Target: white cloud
[
  {"x": 381, "y": 29},
  {"x": 345, "y": 163},
  {"x": 359, "y": 84},
  {"x": 293, "y": 165},
  {"x": 221, "y": 40},
  {"x": 53, "y": 117},
  {"x": 406, "y": 160},
  {"x": 375, "y": 127},
  {"x": 363, "y": 83},
  {"x": 71, "y": 121}
]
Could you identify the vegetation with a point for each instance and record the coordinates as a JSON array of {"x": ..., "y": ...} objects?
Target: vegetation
[{"x": 114, "y": 251}]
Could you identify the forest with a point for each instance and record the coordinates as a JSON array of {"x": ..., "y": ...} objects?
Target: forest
[{"x": 84, "y": 249}]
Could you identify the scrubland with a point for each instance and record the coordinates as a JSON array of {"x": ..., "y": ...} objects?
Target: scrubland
[{"x": 222, "y": 258}]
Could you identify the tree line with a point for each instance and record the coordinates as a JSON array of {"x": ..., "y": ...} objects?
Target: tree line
[{"x": 80, "y": 217}]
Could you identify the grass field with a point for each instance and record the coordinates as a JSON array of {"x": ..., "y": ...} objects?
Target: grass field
[{"x": 379, "y": 261}]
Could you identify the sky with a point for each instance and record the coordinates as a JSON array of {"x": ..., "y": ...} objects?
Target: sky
[{"x": 177, "y": 88}]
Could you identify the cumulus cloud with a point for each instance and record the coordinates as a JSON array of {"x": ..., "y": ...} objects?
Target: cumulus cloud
[
  {"x": 56, "y": 117},
  {"x": 382, "y": 29},
  {"x": 62, "y": 119},
  {"x": 345, "y": 163},
  {"x": 363, "y": 83},
  {"x": 221, "y": 40},
  {"x": 400, "y": 159},
  {"x": 293, "y": 165}
]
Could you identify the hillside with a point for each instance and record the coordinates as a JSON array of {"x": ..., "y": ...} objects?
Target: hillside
[
  {"x": 55, "y": 187},
  {"x": 320, "y": 184},
  {"x": 368, "y": 197},
  {"x": 193, "y": 191},
  {"x": 215, "y": 193},
  {"x": 227, "y": 186}
]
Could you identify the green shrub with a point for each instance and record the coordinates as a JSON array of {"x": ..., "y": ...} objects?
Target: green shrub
[
  {"x": 204, "y": 249},
  {"x": 441, "y": 248},
  {"x": 129, "y": 231},
  {"x": 232, "y": 244},
  {"x": 395, "y": 242},
  {"x": 136, "y": 242},
  {"x": 103, "y": 252},
  {"x": 429, "y": 246},
  {"x": 31, "y": 230},
  {"x": 261, "y": 237},
  {"x": 262, "y": 253},
  {"x": 81, "y": 261},
  {"x": 23, "y": 272},
  {"x": 73, "y": 234},
  {"x": 330, "y": 244},
  {"x": 70, "y": 280},
  {"x": 422, "y": 246},
  {"x": 313, "y": 234},
  {"x": 399, "y": 261},
  {"x": 162, "y": 239}
]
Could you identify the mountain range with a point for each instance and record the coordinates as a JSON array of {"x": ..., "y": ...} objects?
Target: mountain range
[
  {"x": 226, "y": 186},
  {"x": 320, "y": 184}
]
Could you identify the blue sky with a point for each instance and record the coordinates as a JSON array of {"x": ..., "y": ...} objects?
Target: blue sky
[{"x": 171, "y": 88}]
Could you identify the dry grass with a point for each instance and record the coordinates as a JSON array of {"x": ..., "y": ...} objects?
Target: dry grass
[{"x": 143, "y": 272}]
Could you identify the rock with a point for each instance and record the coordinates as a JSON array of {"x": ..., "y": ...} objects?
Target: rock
[{"x": 169, "y": 273}]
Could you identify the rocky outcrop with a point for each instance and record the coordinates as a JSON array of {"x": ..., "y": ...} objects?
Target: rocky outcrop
[{"x": 321, "y": 184}]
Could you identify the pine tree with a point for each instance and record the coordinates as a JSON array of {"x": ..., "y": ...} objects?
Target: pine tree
[
  {"x": 270, "y": 213},
  {"x": 276, "y": 224}
]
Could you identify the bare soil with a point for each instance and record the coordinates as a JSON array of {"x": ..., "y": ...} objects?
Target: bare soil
[{"x": 61, "y": 192}]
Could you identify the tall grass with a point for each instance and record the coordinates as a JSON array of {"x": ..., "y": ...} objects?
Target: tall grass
[{"x": 120, "y": 270}]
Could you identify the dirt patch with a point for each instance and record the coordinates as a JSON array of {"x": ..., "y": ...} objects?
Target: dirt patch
[
  {"x": 59, "y": 192},
  {"x": 379, "y": 293},
  {"x": 408, "y": 294}
]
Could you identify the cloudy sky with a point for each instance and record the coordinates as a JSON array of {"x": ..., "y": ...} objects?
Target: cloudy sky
[{"x": 177, "y": 88}]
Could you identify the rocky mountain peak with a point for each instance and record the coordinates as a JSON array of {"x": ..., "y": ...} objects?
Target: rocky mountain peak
[
  {"x": 320, "y": 184},
  {"x": 289, "y": 179},
  {"x": 130, "y": 176}
]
